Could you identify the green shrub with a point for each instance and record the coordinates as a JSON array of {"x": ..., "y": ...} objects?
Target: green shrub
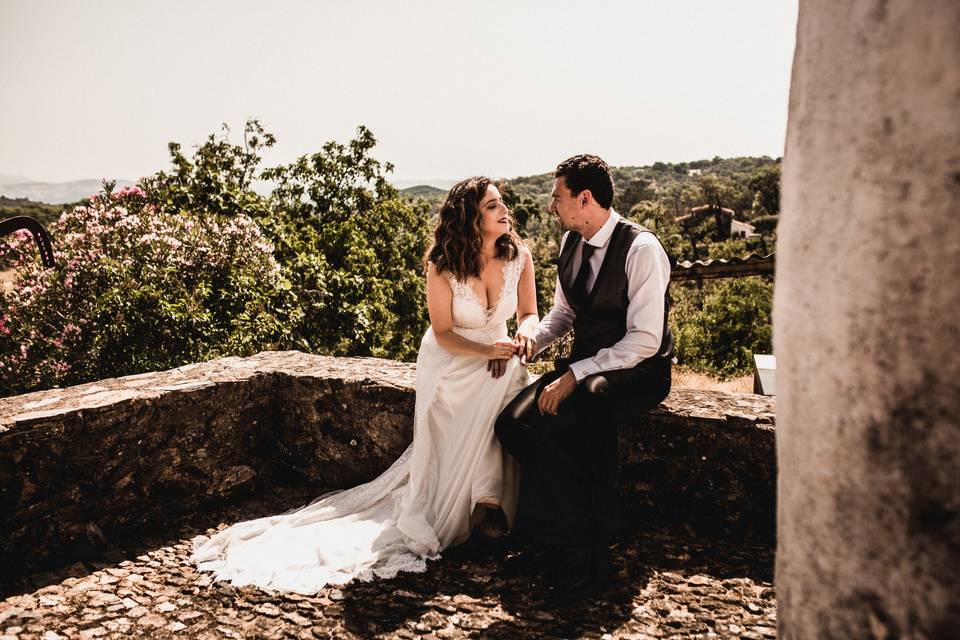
[
  {"x": 352, "y": 248},
  {"x": 766, "y": 224},
  {"x": 720, "y": 336}
]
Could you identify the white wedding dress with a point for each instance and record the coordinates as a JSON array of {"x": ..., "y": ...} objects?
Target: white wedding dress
[{"x": 424, "y": 502}]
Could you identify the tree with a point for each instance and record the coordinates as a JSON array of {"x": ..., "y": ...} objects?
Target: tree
[
  {"x": 352, "y": 249},
  {"x": 765, "y": 185},
  {"x": 732, "y": 324},
  {"x": 524, "y": 208},
  {"x": 347, "y": 243},
  {"x": 217, "y": 180},
  {"x": 631, "y": 192},
  {"x": 715, "y": 192}
]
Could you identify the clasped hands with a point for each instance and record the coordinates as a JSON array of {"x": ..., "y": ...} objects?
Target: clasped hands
[
  {"x": 502, "y": 350},
  {"x": 523, "y": 345}
]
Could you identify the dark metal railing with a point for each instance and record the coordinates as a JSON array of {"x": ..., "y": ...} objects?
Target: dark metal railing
[{"x": 40, "y": 235}]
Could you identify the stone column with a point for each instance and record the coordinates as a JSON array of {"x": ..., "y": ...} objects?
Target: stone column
[{"x": 866, "y": 328}]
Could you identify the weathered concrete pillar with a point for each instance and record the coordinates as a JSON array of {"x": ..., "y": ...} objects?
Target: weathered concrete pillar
[{"x": 867, "y": 324}]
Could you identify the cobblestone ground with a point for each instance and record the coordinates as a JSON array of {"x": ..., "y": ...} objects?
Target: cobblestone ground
[{"x": 669, "y": 584}]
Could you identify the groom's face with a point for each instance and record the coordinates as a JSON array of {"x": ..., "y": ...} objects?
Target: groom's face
[{"x": 566, "y": 206}]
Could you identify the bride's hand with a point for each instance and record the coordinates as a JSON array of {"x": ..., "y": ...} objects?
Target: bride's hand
[
  {"x": 499, "y": 353},
  {"x": 497, "y": 367},
  {"x": 501, "y": 350},
  {"x": 525, "y": 345}
]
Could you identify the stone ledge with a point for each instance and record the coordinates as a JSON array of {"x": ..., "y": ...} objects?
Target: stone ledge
[{"x": 88, "y": 464}]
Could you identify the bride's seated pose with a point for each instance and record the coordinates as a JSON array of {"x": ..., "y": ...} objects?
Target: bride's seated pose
[{"x": 454, "y": 475}]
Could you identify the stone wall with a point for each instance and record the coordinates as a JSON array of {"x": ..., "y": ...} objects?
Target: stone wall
[{"x": 91, "y": 463}]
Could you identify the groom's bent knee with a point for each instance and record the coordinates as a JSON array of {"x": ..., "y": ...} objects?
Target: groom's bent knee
[
  {"x": 595, "y": 385},
  {"x": 504, "y": 427},
  {"x": 509, "y": 432}
]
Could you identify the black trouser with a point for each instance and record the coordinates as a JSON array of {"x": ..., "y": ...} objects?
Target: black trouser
[{"x": 569, "y": 461}]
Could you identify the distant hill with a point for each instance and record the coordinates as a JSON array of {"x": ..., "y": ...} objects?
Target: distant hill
[
  {"x": 658, "y": 175},
  {"x": 52, "y": 192},
  {"x": 439, "y": 183},
  {"x": 423, "y": 191},
  {"x": 6, "y": 179},
  {"x": 43, "y": 213},
  {"x": 748, "y": 185}
]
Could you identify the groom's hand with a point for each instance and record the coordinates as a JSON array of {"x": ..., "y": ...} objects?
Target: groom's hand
[
  {"x": 556, "y": 392},
  {"x": 526, "y": 347}
]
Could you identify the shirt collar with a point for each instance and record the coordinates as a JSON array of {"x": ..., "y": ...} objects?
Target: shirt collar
[{"x": 603, "y": 234}]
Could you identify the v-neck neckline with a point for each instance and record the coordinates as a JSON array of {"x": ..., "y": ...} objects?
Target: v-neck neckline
[{"x": 503, "y": 285}]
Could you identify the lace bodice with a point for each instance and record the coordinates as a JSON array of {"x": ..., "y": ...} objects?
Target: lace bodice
[
  {"x": 471, "y": 320},
  {"x": 468, "y": 310}
]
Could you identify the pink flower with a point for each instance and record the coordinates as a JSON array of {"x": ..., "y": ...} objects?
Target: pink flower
[{"x": 126, "y": 192}]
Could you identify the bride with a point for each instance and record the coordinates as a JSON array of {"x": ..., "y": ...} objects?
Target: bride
[{"x": 454, "y": 475}]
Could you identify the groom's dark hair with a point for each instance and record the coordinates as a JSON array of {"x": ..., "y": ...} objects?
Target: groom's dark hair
[{"x": 587, "y": 172}]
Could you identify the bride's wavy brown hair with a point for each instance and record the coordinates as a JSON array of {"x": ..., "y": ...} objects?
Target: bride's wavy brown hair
[{"x": 457, "y": 241}]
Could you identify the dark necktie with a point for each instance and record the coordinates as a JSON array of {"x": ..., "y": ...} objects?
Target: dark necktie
[{"x": 579, "y": 288}]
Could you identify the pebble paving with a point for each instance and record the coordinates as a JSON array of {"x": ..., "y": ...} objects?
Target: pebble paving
[{"x": 669, "y": 584}]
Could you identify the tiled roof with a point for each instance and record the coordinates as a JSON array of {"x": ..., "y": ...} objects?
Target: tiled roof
[{"x": 750, "y": 265}]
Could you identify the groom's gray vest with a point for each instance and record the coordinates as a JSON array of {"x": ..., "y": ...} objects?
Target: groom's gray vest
[{"x": 601, "y": 318}]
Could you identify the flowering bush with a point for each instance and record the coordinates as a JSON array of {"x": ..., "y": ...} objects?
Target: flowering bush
[
  {"x": 136, "y": 289},
  {"x": 193, "y": 264}
]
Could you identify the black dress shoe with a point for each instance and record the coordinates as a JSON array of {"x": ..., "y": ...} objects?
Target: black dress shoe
[
  {"x": 524, "y": 564},
  {"x": 588, "y": 575},
  {"x": 601, "y": 565},
  {"x": 583, "y": 589},
  {"x": 570, "y": 568}
]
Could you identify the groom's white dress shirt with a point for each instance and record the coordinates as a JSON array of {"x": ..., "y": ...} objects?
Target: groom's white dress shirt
[{"x": 648, "y": 274}]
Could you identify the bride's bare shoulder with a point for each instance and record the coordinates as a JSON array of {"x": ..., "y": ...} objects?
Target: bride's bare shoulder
[
  {"x": 437, "y": 278},
  {"x": 434, "y": 274}
]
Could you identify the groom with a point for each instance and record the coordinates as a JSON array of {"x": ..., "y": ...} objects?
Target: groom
[{"x": 612, "y": 279}]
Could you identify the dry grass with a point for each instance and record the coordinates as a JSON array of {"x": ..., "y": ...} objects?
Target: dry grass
[{"x": 686, "y": 379}]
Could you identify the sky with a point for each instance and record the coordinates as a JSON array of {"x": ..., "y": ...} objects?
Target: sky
[{"x": 96, "y": 89}]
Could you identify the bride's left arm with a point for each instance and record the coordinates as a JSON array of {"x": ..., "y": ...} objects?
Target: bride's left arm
[{"x": 527, "y": 318}]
